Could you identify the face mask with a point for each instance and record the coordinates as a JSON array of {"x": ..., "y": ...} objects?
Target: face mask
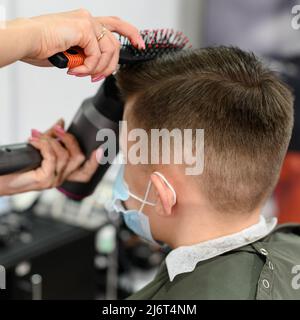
[{"x": 135, "y": 220}]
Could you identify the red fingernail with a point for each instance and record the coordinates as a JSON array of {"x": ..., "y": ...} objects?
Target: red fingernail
[
  {"x": 35, "y": 133},
  {"x": 59, "y": 130},
  {"x": 142, "y": 44},
  {"x": 98, "y": 78},
  {"x": 71, "y": 73}
]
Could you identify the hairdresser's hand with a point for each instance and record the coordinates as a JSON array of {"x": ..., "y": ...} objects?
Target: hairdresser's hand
[
  {"x": 42, "y": 178},
  {"x": 34, "y": 40},
  {"x": 67, "y": 160},
  {"x": 59, "y": 32},
  {"x": 61, "y": 161}
]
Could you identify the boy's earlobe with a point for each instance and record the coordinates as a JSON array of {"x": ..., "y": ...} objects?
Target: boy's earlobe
[{"x": 165, "y": 192}]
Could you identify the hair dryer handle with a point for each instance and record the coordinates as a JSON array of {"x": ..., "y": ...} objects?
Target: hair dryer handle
[{"x": 19, "y": 157}]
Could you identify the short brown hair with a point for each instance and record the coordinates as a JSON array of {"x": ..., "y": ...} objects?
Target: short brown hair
[{"x": 245, "y": 110}]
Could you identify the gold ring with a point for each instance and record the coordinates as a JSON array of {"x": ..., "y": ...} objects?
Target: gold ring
[{"x": 102, "y": 34}]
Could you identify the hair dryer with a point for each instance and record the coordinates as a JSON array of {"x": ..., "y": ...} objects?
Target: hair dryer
[{"x": 104, "y": 110}]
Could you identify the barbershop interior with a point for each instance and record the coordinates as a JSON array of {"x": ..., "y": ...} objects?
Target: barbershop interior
[{"x": 61, "y": 242}]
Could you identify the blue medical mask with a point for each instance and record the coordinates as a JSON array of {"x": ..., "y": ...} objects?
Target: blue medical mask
[{"x": 135, "y": 220}]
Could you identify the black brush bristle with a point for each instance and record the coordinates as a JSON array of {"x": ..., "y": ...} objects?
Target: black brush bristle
[{"x": 158, "y": 42}]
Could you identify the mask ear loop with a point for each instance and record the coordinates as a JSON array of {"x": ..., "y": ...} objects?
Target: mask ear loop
[
  {"x": 168, "y": 184},
  {"x": 146, "y": 196},
  {"x": 143, "y": 201}
]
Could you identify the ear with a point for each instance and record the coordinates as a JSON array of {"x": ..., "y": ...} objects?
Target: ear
[{"x": 166, "y": 197}]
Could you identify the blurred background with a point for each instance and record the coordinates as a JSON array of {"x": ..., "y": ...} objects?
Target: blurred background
[{"x": 53, "y": 247}]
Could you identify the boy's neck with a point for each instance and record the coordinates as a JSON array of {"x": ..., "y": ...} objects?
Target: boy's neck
[{"x": 209, "y": 227}]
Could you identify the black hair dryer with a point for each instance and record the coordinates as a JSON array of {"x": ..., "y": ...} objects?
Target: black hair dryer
[{"x": 103, "y": 111}]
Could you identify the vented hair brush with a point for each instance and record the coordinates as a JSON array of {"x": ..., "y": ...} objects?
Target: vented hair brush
[
  {"x": 158, "y": 42},
  {"x": 104, "y": 110}
]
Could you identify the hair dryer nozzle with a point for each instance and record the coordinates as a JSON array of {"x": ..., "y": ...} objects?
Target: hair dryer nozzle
[{"x": 103, "y": 111}]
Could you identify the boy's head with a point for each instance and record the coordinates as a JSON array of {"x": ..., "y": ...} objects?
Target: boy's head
[{"x": 247, "y": 116}]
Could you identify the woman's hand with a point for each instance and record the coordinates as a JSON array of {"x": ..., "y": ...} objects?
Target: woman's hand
[
  {"x": 35, "y": 39},
  {"x": 62, "y": 160}
]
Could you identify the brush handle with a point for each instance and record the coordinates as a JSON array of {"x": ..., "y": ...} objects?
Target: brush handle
[
  {"x": 70, "y": 59},
  {"x": 19, "y": 157},
  {"x": 75, "y": 56}
]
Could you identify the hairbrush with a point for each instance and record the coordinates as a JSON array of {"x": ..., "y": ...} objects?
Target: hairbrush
[{"x": 157, "y": 43}]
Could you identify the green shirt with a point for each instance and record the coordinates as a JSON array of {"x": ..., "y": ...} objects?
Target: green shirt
[{"x": 266, "y": 269}]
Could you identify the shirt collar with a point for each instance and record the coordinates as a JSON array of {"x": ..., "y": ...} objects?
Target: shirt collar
[{"x": 184, "y": 259}]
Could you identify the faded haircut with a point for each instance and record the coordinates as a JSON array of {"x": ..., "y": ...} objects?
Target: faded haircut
[{"x": 246, "y": 112}]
